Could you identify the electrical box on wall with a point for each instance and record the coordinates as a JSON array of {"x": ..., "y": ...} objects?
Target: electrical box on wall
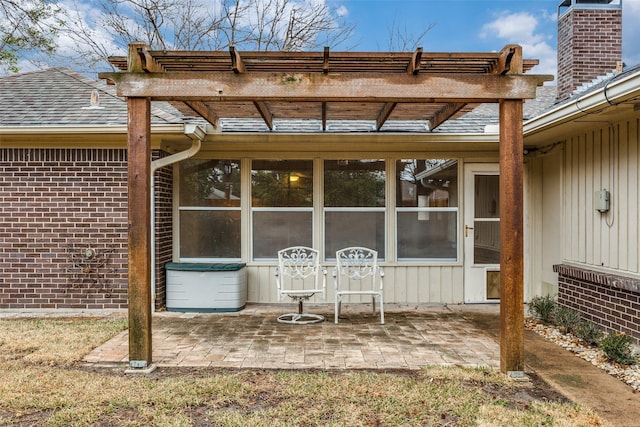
[{"x": 601, "y": 201}]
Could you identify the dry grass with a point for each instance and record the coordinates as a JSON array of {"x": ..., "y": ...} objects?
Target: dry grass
[{"x": 41, "y": 385}]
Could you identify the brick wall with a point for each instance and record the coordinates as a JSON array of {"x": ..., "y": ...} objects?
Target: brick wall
[
  {"x": 610, "y": 301},
  {"x": 63, "y": 228},
  {"x": 163, "y": 230},
  {"x": 589, "y": 46}
]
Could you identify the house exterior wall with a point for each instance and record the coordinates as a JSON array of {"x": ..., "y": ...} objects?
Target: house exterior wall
[
  {"x": 543, "y": 235},
  {"x": 64, "y": 228},
  {"x": 591, "y": 259},
  {"x": 602, "y": 157},
  {"x": 405, "y": 281},
  {"x": 163, "y": 228},
  {"x": 403, "y": 284}
]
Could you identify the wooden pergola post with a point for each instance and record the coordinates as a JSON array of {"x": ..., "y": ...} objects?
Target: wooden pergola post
[
  {"x": 511, "y": 238},
  {"x": 139, "y": 206},
  {"x": 139, "y": 193}
]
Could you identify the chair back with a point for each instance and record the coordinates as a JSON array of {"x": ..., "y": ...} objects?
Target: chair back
[
  {"x": 299, "y": 264},
  {"x": 357, "y": 263}
]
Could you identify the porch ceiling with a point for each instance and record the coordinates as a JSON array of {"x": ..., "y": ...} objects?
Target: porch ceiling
[{"x": 325, "y": 86}]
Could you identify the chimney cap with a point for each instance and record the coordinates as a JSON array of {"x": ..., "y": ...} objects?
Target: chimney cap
[{"x": 566, "y": 5}]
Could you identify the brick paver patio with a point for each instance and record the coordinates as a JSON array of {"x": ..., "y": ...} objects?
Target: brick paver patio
[{"x": 412, "y": 337}]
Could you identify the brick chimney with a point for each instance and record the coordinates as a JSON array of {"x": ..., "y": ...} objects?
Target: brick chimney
[{"x": 589, "y": 42}]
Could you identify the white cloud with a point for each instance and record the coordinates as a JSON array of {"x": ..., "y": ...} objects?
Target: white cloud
[
  {"x": 342, "y": 11},
  {"x": 514, "y": 26},
  {"x": 524, "y": 28}
]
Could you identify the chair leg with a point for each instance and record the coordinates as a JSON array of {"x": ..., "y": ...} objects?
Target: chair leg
[
  {"x": 337, "y": 309},
  {"x": 373, "y": 304},
  {"x": 381, "y": 311}
]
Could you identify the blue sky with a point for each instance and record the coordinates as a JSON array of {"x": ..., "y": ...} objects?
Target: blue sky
[
  {"x": 478, "y": 26},
  {"x": 455, "y": 26}
]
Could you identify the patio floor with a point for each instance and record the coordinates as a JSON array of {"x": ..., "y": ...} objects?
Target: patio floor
[{"x": 412, "y": 337}]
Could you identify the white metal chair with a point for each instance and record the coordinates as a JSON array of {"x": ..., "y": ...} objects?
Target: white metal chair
[
  {"x": 357, "y": 273},
  {"x": 300, "y": 276}
]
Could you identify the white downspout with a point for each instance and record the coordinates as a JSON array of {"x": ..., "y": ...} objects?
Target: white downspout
[{"x": 197, "y": 135}]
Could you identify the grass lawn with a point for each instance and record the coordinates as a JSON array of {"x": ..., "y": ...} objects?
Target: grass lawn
[{"x": 42, "y": 382}]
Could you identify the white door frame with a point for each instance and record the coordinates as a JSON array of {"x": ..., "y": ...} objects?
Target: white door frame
[{"x": 476, "y": 274}]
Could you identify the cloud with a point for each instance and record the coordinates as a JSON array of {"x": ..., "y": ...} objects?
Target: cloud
[
  {"x": 342, "y": 11},
  {"x": 513, "y": 26},
  {"x": 524, "y": 28}
]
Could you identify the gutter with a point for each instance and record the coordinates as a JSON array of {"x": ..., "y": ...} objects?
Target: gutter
[
  {"x": 616, "y": 91},
  {"x": 197, "y": 135},
  {"x": 84, "y": 129}
]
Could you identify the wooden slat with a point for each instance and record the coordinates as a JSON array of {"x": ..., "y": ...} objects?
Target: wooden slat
[{"x": 340, "y": 61}]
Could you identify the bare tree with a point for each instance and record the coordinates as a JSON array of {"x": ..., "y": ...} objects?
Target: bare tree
[
  {"x": 25, "y": 26},
  {"x": 400, "y": 39},
  {"x": 261, "y": 25}
]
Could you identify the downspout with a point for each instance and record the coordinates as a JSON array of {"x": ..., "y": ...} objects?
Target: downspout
[{"x": 197, "y": 135}]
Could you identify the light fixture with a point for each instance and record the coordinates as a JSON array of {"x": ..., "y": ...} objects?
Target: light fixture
[{"x": 293, "y": 178}]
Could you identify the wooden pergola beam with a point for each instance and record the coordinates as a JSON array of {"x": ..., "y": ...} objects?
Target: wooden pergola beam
[
  {"x": 324, "y": 115},
  {"x": 445, "y": 114},
  {"x": 510, "y": 61},
  {"x": 300, "y": 87},
  {"x": 325, "y": 61},
  {"x": 236, "y": 61},
  {"x": 205, "y": 112},
  {"x": 264, "y": 113},
  {"x": 414, "y": 65},
  {"x": 384, "y": 114}
]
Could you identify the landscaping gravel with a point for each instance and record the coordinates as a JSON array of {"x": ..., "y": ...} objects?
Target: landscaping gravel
[{"x": 630, "y": 374}]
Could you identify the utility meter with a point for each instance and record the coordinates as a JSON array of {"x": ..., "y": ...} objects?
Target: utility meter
[{"x": 601, "y": 201}]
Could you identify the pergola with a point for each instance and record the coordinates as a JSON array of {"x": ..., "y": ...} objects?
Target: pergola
[{"x": 325, "y": 86}]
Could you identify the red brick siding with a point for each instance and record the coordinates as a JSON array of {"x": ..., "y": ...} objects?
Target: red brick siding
[
  {"x": 54, "y": 205},
  {"x": 589, "y": 46},
  {"x": 610, "y": 301},
  {"x": 163, "y": 230}
]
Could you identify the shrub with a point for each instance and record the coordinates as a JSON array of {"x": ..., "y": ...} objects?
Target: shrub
[
  {"x": 543, "y": 308},
  {"x": 589, "y": 332},
  {"x": 566, "y": 318},
  {"x": 617, "y": 347}
]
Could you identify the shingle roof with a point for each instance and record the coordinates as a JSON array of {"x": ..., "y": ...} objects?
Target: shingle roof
[
  {"x": 59, "y": 96},
  {"x": 488, "y": 114}
]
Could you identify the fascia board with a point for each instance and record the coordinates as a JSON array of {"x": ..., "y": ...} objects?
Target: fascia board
[{"x": 610, "y": 95}]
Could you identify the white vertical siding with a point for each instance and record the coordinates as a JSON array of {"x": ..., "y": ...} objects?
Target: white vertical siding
[
  {"x": 403, "y": 284},
  {"x": 605, "y": 157}
]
